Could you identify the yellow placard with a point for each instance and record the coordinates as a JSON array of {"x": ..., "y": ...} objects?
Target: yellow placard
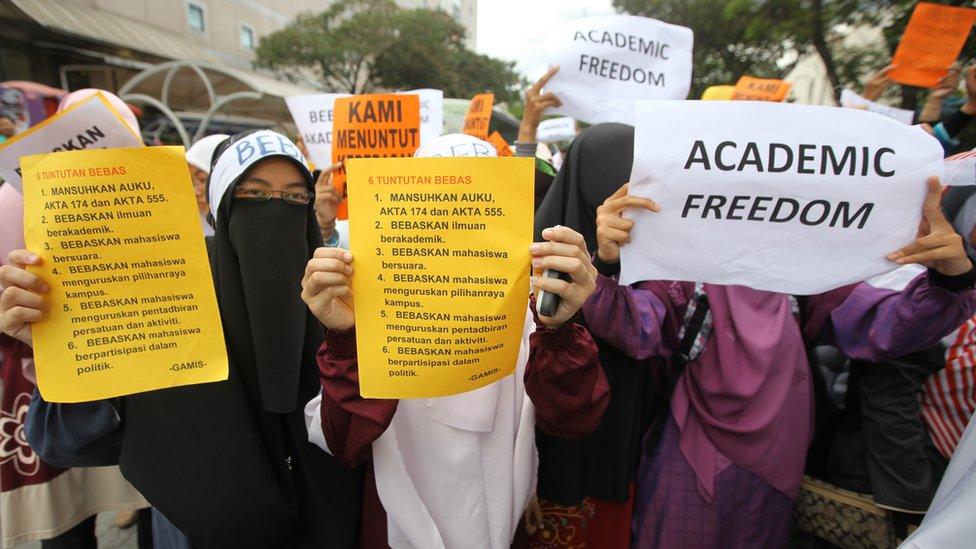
[
  {"x": 133, "y": 307},
  {"x": 718, "y": 93},
  {"x": 441, "y": 271}
]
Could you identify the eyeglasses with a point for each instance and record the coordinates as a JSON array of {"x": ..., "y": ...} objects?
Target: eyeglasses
[{"x": 261, "y": 195}]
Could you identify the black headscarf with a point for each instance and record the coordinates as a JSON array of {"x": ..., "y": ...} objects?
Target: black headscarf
[
  {"x": 229, "y": 463},
  {"x": 603, "y": 464}
]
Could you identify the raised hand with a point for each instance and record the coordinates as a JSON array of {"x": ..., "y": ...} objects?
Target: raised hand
[
  {"x": 612, "y": 229},
  {"x": 938, "y": 246},
  {"x": 327, "y": 289}
]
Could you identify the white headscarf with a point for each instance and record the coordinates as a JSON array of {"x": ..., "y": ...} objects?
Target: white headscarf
[
  {"x": 457, "y": 145},
  {"x": 200, "y": 154},
  {"x": 244, "y": 153}
]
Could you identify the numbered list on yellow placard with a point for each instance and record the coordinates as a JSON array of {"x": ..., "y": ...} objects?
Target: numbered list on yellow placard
[
  {"x": 132, "y": 297},
  {"x": 441, "y": 282}
]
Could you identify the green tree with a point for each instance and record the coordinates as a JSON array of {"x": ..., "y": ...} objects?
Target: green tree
[
  {"x": 358, "y": 46},
  {"x": 339, "y": 46},
  {"x": 731, "y": 38},
  {"x": 429, "y": 51}
]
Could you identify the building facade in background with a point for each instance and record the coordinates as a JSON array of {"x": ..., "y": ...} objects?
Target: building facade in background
[{"x": 102, "y": 43}]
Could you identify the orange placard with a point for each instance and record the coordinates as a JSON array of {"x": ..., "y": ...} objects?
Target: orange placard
[
  {"x": 372, "y": 126},
  {"x": 749, "y": 88},
  {"x": 500, "y": 144},
  {"x": 931, "y": 43},
  {"x": 479, "y": 115}
]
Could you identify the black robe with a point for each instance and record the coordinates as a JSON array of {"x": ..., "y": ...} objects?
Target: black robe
[{"x": 603, "y": 464}]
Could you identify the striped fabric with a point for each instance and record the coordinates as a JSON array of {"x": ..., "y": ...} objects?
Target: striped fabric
[{"x": 949, "y": 396}]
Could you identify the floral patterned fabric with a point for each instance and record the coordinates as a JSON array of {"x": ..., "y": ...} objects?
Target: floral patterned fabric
[
  {"x": 593, "y": 524},
  {"x": 19, "y": 465}
]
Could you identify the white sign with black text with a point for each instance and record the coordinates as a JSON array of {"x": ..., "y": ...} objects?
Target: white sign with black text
[
  {"x": 555, "y": 130},
  {"x": 851, "y": 100},
  {"x": 91, "y": 124},
  {"x": 313, "y": 117},
  {"x": 606, "y": 63},
  {"x": 787, "y": 198},
  {"x": 431, "y": 113}
]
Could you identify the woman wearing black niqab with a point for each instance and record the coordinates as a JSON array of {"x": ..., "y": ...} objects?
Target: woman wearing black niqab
[
  {"x": 604, "y": 464},
  {"x": 229, "y": 463}
]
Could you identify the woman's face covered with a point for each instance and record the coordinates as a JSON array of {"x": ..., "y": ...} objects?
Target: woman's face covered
[
  {"x": 262, "y": 227},
  {"x": 260, "y": 196},
  {"x": 269, "y": 239}
]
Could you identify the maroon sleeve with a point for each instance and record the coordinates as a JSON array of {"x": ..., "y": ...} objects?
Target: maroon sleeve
[
  {"x": 565, "y": 381},
  {"x": 350, "y": 422}
]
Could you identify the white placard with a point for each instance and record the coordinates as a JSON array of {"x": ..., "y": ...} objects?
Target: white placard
[
  {"x": 949, "y": 520},
  {"x": 852, "y": 100},
  {"x": 431, "y": 113},
  {"x": 786, "y": 198},
  {"x": 556, "y": 129},
  {"x": 960, "y": 169},
  {"x": 313, "y": 116},
  {"x": 91, "y": 124},
  {"x": 606, "y": 63}
]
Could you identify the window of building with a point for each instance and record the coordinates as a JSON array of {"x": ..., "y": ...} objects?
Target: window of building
[
  {"x": 456, "y": 10},
  {"x": 247, "y": 37},
  {"x": 196, "y": 17}
]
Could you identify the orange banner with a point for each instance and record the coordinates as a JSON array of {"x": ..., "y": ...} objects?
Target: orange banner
[
  {"x": 749, "y": 88},
  {"x": 932, "y": 41},
  {"x": 479, "y": 115},
  {"x": 372, "y": 126},
  {"x": 500, "y": 144}
]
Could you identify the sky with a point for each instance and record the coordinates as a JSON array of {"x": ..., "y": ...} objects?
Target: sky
[{"x": 513, "y": 29}]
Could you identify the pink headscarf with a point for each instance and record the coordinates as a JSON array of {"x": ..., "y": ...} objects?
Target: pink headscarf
[
  {"x": 11, "y": 221},
  {"x": 12, "y": 238},
  {"x": 748, "y": 398},
  {"x": 119, "y": 105}
]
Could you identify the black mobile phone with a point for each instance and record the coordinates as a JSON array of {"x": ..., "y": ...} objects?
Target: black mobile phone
[{"x": 548, "y": 302}]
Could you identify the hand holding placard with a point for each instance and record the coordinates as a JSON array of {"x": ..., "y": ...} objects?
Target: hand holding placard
[
  {"x": 328, "y": 199},
  {"x": 787, "y": 198},
  {"x": 877, "y": 83},
  {"x": 536, "y": 103},
  {"x": 327, "y": 288},
  {"x": 132, "y": 306},
  {"x": 608, "y": 62},
  {"x": 21, "y": 301},
  {"x": 612, "y": 229},
  {"x": 938, "y": 246},
  {"x": 441, "y": 271}
]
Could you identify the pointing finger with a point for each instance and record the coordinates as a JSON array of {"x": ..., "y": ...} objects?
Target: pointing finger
[{"x": 545, "y": 78}]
